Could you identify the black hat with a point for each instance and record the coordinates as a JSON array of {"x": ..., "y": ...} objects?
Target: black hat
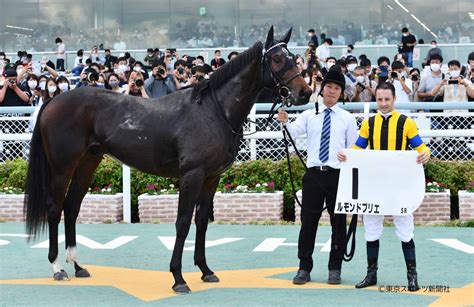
[
  {"x": 10, "y": 72},
  {"x": 335, "y": 77}
]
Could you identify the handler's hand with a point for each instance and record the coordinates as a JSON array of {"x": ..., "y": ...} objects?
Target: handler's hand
[
  {"x": 423, "y": 157},
  {"x": 341, "y": 156},
  {"x": 282, "y": 116}
]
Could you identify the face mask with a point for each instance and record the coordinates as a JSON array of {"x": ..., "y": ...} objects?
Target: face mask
[
  {"x": 42, "y": 85},
  {"x": 454, "y": 73},
  {"x": 2, "y": 83},
  {"x": 331, "y": 64},
  {"x": 306, "y": 79},
  {"x": 63, "y": 87},
  {"x": 433, "y": 46},
  {"x": 113, "y": 84},
  {"x": 136, "y": 68},
  {"x": 351, "y": 67},
  {"x": 123, "y": 68},
  {"x": 435, "y": 67},
  {"x": 360, "y": 79},
  {"x": 52, "y": 89},
  {"x": 58, "y": 44},
  {"x": 32, "y": 84},
  {"x": 405, "y": 34}
]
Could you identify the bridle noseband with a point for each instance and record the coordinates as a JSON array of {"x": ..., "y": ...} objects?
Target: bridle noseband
[{"x": 283, "y": 91}]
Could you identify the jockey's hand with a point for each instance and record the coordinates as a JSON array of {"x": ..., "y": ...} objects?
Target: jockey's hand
[
  {"x": 423, "y": 157},
  {"x": 341, "y": 156}
]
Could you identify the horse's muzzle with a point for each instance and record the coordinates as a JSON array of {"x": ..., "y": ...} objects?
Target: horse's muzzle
[{"x": 304, "y": 96}]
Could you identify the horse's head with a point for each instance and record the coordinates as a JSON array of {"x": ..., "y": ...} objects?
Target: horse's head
[{"x": 281, "y": 73}]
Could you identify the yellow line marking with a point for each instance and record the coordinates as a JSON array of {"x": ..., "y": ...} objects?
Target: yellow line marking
[{"x": 150, "y": 285}]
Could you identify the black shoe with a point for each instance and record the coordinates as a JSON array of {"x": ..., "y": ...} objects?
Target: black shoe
[
  {"x": 369, "y": 280},
  {"x": 334, "y": 277},
  {"x": 412, "y": 280},
  {"x": 301, "y": 277}
]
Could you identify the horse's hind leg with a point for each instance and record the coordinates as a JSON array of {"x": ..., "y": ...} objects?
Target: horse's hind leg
[
  {"x": 203, "y": 210},
  {"x": 77, "y": 189},
  {"x": 190, "y": 186}
]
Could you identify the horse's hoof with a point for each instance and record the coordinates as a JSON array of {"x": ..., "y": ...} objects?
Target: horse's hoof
[
  {"x": 82, "y": 273},
  {"x": 210, "y": 278},
  {"x": 61, "y": 275},
  {"x": 181, "y": 289}
]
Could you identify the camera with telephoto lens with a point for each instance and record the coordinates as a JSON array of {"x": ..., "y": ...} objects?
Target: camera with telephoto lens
[
  {"x": 161, "y": 71},
  {"x": 199, "y": 77},
  {"x": 319, "y": 79},
  {"x": 93, "y": 77},
  {"x": 394, "y": 75},
  {"x": 181, "y": 70},
  {"x": 139, "y": 82}
]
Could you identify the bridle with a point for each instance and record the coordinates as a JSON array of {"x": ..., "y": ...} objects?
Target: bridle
[{"x": 284, "y": 93}]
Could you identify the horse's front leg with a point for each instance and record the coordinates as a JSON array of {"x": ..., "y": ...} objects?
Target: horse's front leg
[
  {"x": 190, "y": 186},
  {"x": 204, "y": 206}
]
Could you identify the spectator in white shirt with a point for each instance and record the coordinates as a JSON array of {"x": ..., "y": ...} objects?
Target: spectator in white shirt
[
  {"x": 60, "y": 54},
  {"x": 323, "y": 52}
]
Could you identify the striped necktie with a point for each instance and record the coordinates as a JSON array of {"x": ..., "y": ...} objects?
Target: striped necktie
[{"x": 325, "y": 134}]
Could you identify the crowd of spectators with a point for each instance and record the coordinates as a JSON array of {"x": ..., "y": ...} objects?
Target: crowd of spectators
[
  {"x": 24, "y": 81},
  {"x": 160, "y": 73}
]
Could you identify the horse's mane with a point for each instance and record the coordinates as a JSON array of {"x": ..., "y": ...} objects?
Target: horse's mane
[{"x": 228, "y": 70}]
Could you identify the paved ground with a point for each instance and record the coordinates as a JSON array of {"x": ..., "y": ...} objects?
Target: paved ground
[{"x": 129, "y": 266}]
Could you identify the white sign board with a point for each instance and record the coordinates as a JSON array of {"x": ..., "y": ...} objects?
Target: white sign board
[{"x": 380, "y": 182}]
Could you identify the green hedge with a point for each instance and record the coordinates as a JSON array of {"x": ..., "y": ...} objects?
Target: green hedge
[{"x": 454, "y": 174}]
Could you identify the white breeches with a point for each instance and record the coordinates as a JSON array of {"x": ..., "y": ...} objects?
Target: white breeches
[{"x": 373, "y": 225}]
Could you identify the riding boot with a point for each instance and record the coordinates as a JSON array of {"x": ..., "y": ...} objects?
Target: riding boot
[
  {"x": 372, "y": 257},
  {"x": 371, "y": 278},
  {"x": 410, "y": 260}
]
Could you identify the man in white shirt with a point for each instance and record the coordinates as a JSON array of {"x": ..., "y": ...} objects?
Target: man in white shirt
[
  {"x": 60, "y": 54},
  {"x": 402, "y": 84},
  {"x": 328, "y": 131},
  {"x": 323, "y": 52}
]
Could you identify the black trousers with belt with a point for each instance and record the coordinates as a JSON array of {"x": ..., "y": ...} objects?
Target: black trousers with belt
[{"x": 320, "y": 186}]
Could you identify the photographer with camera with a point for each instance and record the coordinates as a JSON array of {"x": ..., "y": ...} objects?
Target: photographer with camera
[
  {"x": 310, "y": 55},
  {"x": 323, "y": 52},
  {"x": 90, "y": 77},
  {"x": 11, "y": 93},
  {"x": 198, "y": 74},
  {"x": 454, "y": 87},
  {"x": 136, "y": 85},
  {"x": 403, "y": 85},
  {"x": 159, "y": 84},
  {"x": 181, "y": 73},
  {"x": 364, "y": 90}
]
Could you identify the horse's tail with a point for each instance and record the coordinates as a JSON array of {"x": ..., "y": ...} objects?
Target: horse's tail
[{"x": 38, "y": 196}]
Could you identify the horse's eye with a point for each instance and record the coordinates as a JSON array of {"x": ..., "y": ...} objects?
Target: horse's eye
[{"x": 277, "y": 60}]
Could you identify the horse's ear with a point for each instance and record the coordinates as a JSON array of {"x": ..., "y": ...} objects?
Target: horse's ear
[
  {"x": 269, "y": 41},
  {"x": 286, "y": 37}
]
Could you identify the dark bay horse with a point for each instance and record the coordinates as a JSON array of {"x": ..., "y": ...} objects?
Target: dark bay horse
[{"x": 193, "y": 134}]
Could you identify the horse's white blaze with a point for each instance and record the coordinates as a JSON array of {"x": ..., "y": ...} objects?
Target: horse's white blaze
[{"x": 57, "y": 266}]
